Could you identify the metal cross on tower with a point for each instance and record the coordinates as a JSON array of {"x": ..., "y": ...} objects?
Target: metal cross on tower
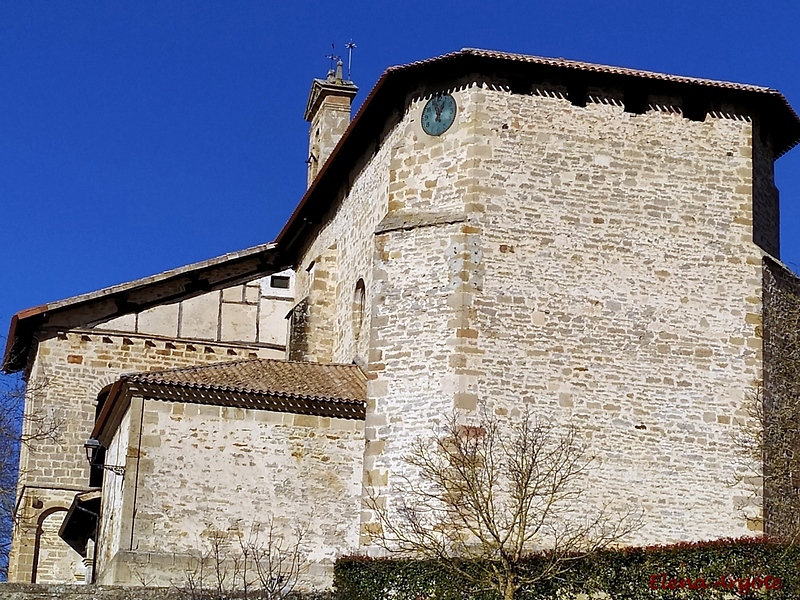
[{"x": 350, "y": 47}]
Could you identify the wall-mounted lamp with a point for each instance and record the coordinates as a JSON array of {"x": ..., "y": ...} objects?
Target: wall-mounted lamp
[{"x": 94, "y": 451}]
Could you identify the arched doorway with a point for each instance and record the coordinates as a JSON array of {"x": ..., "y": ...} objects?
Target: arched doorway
[{"x": 53, "y": 560}]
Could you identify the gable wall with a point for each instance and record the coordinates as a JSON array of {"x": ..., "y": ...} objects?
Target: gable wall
[{"x": 252, "y": 312}]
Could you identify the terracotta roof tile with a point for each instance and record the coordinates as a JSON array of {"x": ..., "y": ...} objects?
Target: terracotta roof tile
[
  {"x": 591, "y": 67},
  {"x": 327, "y": 390},
  {"x": 289, "y": 379}
]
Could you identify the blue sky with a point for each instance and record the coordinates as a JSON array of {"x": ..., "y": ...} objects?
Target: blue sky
[{"x": 140, "y": 136}]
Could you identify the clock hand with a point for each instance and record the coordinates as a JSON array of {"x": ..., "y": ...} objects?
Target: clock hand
[{"x": 438, "y": 108}]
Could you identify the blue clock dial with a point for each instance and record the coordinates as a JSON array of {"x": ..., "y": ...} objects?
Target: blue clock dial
[{"x": 438, "y": 114}]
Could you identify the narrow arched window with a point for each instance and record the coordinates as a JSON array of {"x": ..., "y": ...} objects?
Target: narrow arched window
[{"x": 358, "y": 308}]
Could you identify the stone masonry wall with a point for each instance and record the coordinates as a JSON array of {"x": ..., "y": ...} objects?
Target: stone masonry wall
[
  {"x": 327, "y": 127},
  {"x": 416, "y": 325},
  {"x": 199, "y": 470},
  {"x": 350, "y": 235},
  {"x": 57, "y": 561},
  {"x": 322, "y": 280},
  {"x": 422, "y": 250},
  {"x": 622, "y": 293},
  {"x": 400, "y": 228},
  {"x": 69, "y": 371}
]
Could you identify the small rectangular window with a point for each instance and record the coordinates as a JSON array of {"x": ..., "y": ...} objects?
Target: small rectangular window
[{"x": 279, "y": 281}]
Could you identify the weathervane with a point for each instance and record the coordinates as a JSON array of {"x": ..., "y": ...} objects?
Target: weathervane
[
  {"x": 350, "y": 47},
  {"x": 333, "y": 57}
]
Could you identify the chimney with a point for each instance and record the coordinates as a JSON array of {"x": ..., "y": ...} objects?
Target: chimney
[{"x": 328, "y": 111}]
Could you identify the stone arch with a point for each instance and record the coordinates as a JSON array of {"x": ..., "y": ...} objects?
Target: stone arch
[
  {"x": 101, "y": 384},
  {"x": 43, "y": 516}
]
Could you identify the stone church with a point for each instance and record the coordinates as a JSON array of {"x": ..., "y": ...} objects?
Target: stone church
[{"x": 491, "y": 229}]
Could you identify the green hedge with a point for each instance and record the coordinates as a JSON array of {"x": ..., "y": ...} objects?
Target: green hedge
[{"x": 677, "y": 571}]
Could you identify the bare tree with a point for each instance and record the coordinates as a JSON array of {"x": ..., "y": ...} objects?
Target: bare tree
[
  {"x": 17, "y": 428},
  {"x": 768, "y": 435},
  {"x": 482, "y": 499},
  {"x": 277, "y": 561},
  {"x": 264, "y": 563},
  {"x": 10, "y": 430},
  {"x": 769, "y": 464}
]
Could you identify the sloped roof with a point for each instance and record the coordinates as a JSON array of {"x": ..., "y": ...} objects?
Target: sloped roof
[
  {"x": 590, "y": 67},
  {"x": 309, "y": 381},
  {"x": 334, "y": 390},
  {"x": 388, "y": 99},
  {"x": 169, "y": 286}
]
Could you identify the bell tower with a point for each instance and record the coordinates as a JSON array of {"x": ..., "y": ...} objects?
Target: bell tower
[{"x": 328, "y": 111}]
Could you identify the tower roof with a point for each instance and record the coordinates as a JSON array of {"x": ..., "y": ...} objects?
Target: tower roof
[
  {"x": 333, "y": 85},
  {"x": 519, "y": 72}
]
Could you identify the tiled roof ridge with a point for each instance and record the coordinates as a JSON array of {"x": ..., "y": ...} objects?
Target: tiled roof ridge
[{"x": 587, "y": 66}]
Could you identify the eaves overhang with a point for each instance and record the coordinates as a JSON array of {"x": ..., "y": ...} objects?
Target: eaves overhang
[{"x": 107, "y": 424}]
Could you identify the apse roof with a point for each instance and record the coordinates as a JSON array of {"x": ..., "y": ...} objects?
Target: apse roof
[{"x": 329, "y": 390}]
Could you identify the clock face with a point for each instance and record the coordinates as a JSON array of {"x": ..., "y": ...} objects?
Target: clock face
[{"x": 438, "y": 114}]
